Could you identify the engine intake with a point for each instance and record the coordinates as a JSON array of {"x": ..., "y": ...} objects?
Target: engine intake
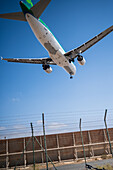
[
  {"x": 47, "y": 68},
  {"x": 81, "y": 60}
]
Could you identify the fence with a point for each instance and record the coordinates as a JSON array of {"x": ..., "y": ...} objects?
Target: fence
[
  {"x": 59, "y": 147},
  {"x": 18, "y": 125}
]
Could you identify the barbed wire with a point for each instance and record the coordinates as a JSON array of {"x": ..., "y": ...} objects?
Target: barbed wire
[
  {"x": 51, "y": 113},
  {"x": 54, "y": 123}
]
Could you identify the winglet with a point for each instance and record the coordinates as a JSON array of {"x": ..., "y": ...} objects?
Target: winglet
[{"x": 1, "y": 58}]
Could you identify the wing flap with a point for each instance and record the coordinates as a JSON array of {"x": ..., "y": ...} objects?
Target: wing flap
[
  {"x": 31, "y": 60},
  {"x": 89, "y": 43},
  {"x": 15, "y": 16}
]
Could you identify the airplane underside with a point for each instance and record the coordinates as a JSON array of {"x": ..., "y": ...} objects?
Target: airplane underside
[
  {"x": 50, "y": 43},
  {"x": 57, "y": 55}
]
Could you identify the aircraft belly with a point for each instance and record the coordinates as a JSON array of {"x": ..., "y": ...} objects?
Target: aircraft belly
[
  {"x": 41, "y": 33},
  {"x": 50, "y": 43},
  {"x": 71, "y": 69},
  {"x": 44, "y": 36}
]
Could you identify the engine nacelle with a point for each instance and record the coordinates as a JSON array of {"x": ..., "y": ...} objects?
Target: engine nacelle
[
  {"x": 47, "y": 68},
  {"x": 81, "y": 60}
]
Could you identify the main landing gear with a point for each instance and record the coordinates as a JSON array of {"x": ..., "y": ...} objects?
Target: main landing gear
[{"x": 71, "y": 60}]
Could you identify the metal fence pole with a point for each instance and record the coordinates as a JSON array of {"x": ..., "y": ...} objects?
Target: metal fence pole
[
  {"x": 83, "y": 144},
  {"x": 107, "y": 132},
  {"x": 33, "y": 146},
  {"x": 7, "y": 158},
  {"x": 45, "y": 141},
  {"x": 44, "y": 151}
]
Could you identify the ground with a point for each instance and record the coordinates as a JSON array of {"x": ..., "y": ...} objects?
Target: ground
[{"x": 97, "y": 162}]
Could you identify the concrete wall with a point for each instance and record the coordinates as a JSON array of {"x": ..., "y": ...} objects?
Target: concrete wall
[{"x": 59, "y": 147}]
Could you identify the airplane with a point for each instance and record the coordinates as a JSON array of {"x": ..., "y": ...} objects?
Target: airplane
[{"x": 57, "y": 55}]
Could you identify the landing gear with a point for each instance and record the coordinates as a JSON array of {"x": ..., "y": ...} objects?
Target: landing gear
[
  {"x": 71, "y": 77},
  {"x": 71, "y": 60}
]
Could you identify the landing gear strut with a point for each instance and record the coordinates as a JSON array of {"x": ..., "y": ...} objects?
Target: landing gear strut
[{"x": 71, "y": 60}]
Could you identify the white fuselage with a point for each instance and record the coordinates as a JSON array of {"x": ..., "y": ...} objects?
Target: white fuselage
[{"x": 50, "y": 43}]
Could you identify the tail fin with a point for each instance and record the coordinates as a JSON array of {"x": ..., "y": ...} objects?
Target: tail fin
[
  {"x": 29, "y": 3},
  {"x": 37, "y": 10}
]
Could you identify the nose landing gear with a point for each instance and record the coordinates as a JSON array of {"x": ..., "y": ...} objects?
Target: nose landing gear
[{"x": 71, "y": 77}]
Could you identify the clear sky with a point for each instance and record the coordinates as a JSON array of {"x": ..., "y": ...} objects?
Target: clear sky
[{"x": 26, "y": 89}]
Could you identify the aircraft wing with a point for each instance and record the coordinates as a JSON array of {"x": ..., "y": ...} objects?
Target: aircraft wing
[
  {"x": 48, "y": 61},
  {"x": 73, "y": 53}
]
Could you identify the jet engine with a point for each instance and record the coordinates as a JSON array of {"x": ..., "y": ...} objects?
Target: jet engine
[
  {"x": 47, "y": 68},
  {"x": 81, "y": 60}
]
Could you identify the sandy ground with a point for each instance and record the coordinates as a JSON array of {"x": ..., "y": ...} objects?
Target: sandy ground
[{"x": 99, "y": 162}]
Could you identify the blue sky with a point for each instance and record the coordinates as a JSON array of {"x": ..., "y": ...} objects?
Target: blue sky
[{"x": 26, "y": 89}]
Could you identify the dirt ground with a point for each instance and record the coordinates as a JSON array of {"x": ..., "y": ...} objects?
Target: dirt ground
[{"x": 97, "y": 162}]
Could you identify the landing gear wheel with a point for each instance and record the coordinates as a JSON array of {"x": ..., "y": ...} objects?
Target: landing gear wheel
[
  {"x": 71, "y": 77},
  {"x": 71, "y": 60}
]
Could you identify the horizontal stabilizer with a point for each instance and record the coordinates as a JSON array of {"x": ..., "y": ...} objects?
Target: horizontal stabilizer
[
  {"x": 15, "y": 16},
  {"x": 39, "y": 7}
]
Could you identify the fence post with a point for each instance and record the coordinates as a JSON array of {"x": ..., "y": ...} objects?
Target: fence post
[
  {"x": 107, "y": 132},
  {"x": 33, "y": 146},
  {"x": 22, "y": 153},
  {"x": 7, "y": 158},
  {"x": 45, "y": 141},
  {"x": 83, "y": 144},
  {"x": 44, "y": 151}
]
